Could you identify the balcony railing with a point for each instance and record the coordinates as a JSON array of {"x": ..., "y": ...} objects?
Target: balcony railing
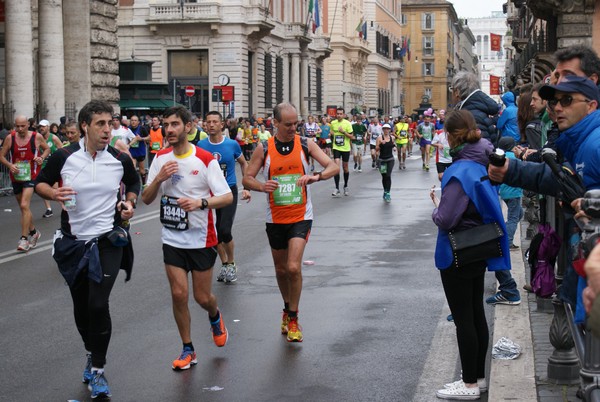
[
  {"x": 188, "y": 11},
  {"x": 206, "y": 11}
]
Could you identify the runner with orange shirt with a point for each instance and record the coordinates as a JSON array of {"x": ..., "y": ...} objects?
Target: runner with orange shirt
[{"x": 290, "y": 213}]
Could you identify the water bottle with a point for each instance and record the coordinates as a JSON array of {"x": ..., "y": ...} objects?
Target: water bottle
[{"x": 71, "y": 204}]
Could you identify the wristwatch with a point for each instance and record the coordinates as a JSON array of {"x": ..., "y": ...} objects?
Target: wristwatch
[
  {"x": 133, "y": 202},
  {"x": 319, "y": 173},
  {"x": 204, "y": 204}
]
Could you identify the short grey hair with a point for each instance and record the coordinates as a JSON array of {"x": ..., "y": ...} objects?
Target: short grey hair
[
  {"x": 279, "y": 108},
  {"x": 465, "y": 82}
]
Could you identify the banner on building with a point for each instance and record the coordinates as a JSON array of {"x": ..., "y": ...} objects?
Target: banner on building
[
  {"x": 495, "y": 42},
  {"x": 494, "y": 85}
]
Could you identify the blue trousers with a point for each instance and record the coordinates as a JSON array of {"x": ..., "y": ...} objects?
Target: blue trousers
[
  {"x": 514, "y": 216},
  {"x": 507, "y": 285}
]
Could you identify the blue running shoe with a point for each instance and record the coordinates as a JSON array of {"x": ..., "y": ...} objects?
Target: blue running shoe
[
  {"x": 99, "y": 386},
  {"x": 87, "y": 371},
  {"x": 499, "y": 298}
]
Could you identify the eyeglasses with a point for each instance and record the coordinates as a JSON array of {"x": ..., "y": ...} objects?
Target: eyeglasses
[{"x": 565, "y": 101}]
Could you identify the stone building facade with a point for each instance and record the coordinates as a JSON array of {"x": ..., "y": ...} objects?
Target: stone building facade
[
  {"x": 58, "y": 54},
  {"x": 363, "y": 72},
  {"x": 490, "y": 62},
  {"x": 266, "y": 51},
  {"x": 539, "y": 27}
]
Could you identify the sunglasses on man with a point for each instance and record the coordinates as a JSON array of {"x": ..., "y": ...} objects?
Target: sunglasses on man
[{"x": 565, "y": 101}]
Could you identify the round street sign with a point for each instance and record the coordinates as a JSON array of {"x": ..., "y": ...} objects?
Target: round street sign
[{"x": 190, "y": 91}]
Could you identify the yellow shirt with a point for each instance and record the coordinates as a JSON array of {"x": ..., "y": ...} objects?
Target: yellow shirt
[
  {"x": 401, "y": 130},
  {"x": 340, "y": 141}
]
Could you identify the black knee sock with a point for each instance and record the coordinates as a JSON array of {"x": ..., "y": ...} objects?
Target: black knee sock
[
  {"x": 336, "y": 179},
  {"x": 346, "y": 177}
]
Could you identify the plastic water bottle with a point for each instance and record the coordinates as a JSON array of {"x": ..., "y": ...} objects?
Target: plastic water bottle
[{"x": 71, "y": 204}]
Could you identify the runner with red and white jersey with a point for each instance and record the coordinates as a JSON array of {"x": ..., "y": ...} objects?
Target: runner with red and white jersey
[{"x": 190, "y": 184}]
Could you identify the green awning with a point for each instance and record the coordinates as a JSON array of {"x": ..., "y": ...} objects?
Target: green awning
[{"x": 147, "y": 104}]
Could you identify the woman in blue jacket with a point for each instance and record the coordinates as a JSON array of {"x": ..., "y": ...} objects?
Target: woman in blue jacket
[{"x": 467, "y": 202}]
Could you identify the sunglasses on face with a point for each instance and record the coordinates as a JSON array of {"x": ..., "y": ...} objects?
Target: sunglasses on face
[{"x": 565, "y": 101}]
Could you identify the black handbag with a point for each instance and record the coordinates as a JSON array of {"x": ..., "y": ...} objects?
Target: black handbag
[{"x": 476, "y": 244}]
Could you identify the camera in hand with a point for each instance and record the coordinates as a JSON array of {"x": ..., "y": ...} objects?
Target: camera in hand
[
  {"x": 590, "y": 232},
  {"x": 497, "y": 158}
]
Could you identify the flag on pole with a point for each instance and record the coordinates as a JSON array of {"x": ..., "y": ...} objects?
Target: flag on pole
[
  {"x": 359, "y": 26},
  {"x": 495, "y": 41},
  {"x": 364, "y": 31},
  {"x": 316, "y": 19},
  {"x": 403, "y": 49},
  {"x": 494, "y": 85},
  {"x": 408, "y": 48},
  {"x": 313, "y": 10}
]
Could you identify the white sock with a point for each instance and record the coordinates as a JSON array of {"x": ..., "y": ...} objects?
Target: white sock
[{"x": 97, "y": 370}]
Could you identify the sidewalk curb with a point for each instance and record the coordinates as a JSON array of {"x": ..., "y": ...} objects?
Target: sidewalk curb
[{"x": 514, "y": 380}]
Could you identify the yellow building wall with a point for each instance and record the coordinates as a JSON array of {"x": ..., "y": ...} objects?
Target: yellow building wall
[
  {"x": 382, "y": 78},
  {"x": 414, "y": 80}
]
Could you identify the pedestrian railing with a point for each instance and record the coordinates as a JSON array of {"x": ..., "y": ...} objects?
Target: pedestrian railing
[
  {"x": 5, "y": 184},
  {"x": 576, "y": 355}
]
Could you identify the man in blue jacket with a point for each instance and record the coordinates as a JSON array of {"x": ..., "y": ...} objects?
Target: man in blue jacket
[
  {"x": 574, "y": 100},
  {"x": 507, "y": 123}
]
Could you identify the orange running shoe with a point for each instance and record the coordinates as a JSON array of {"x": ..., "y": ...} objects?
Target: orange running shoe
[
  {"x": 285, "y": 319},
  {"x": 219, "y": 332},
  {"x": 294, "y": 331},
  {"x": 186, "y": 360}
]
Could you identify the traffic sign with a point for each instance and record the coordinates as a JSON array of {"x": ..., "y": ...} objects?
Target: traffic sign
[
  {"x": 217, "y": 95},
  {"x": 190, "y": 91}
]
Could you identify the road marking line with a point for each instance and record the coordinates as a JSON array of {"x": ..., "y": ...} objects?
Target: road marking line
[{"x": 47, "y": 244}]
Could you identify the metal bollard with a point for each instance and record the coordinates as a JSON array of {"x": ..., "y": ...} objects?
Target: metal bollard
[
  {"x": 588, "y": 350},
  {"x": 563, "y": 364}
]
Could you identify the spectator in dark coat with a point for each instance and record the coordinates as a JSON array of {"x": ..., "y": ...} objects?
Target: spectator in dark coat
[{"x": 467, "y": 95}]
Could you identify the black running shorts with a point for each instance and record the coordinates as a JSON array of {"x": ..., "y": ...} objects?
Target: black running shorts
[
  {"x": 279, "y": 234},
  {"x": 190, "y": 259}
]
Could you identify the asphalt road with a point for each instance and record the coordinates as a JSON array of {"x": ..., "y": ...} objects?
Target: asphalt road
[{"x": 373, "y": 310}]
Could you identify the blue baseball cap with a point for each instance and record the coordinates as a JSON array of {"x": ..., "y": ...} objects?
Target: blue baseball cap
[{"x": 572, "y": 84}]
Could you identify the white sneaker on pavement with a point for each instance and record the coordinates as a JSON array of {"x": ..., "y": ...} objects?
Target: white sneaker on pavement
[
  {"x": 460, "y": 392},
  {"x": 481, "y": 382}
]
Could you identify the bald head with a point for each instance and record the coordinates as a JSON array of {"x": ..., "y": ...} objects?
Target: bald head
[{"x": 21, "y": 125}]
